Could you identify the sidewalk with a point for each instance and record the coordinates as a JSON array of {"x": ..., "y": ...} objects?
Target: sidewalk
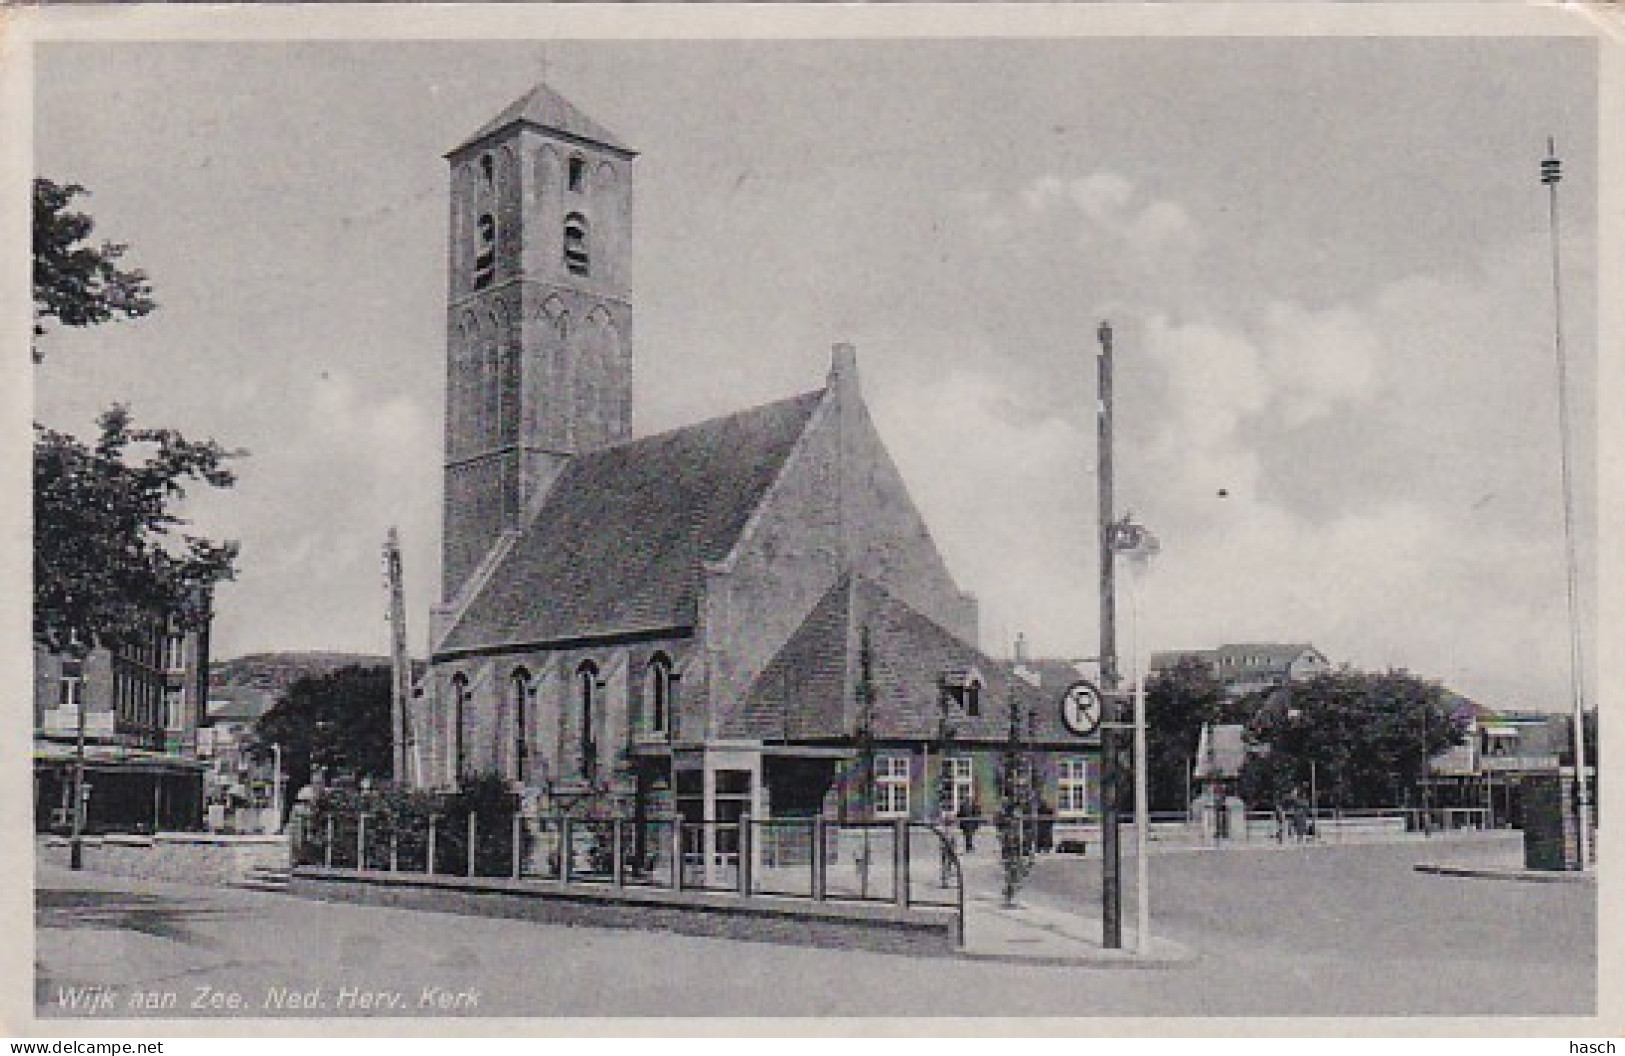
[{"x": 1031, "y": 933}]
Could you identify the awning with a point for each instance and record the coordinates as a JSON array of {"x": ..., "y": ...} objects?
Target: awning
[{"x": 115, "y": 757}]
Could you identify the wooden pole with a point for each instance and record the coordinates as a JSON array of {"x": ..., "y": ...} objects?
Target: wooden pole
[{"x": 1111, "y": 890}]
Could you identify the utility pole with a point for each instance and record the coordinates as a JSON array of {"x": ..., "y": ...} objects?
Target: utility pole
[
  {"x": 1111, "y": 885},
  {"x": 400, "y": 663},
  {"x": 1551, "y": 173}
]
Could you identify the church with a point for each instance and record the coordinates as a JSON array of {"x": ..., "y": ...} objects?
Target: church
[{"x": 744, "y": 615}]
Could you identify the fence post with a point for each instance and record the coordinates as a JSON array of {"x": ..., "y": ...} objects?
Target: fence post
[
  {"x": 327, "y": 848},
  {"x": 676, "y": 852},
  {"x": 518, "y": 843},
  {"x": 428, "y": 863},
  {"x": 360, "y": 841},
  {"x": 473, "y": 832},
  {"x": 394, "y": 849},
  {"x": 820, "y": 881},
  {"x": 616, "y": 865},
  {"x": 743, "y": 868},
  {"x": 567, "y": 850},
  {"x": 899, "y": 877}
]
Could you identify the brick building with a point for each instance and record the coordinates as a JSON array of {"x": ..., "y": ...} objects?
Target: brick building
[
  {"x": 744, "y": 614},
  {"x": 141, "y": 706}
]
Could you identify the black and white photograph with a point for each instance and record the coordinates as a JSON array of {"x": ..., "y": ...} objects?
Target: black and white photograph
[{"x": 953, "y": 517}]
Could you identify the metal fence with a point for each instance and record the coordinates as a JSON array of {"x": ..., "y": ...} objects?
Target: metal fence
[{"x": 902, "y": 863}]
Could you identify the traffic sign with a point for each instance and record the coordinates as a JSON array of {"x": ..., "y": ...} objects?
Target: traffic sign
[{"x": 1082, "y": 708}]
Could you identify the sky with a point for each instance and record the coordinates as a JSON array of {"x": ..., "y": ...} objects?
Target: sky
[{"x": 1326, "y": 261}]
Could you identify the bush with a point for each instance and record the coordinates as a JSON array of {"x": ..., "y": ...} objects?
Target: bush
[{"x": 401, "y": 818}]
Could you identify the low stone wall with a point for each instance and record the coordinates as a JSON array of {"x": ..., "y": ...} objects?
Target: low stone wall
[
  {"x": 182, "y": 857},
  {"x": 916, "y": 930}
]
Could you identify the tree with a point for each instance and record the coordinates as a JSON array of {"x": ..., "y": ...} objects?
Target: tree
[
  {"x": 110, "y": 559},
  {"x": 1179, "y": 701},
  {"x": 76, "y": 282},
  {"x": 337, "y": 722},
  {"x": 1369, "y": 737},
  {"x": 1015, "y": 818}
]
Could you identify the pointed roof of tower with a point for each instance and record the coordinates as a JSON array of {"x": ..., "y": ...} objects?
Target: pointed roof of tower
[{"x": 545, "y": 108}]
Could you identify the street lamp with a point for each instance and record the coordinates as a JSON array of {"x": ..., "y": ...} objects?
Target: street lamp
[
  {"x": 276, "y": 786},
  {"x": 1137, "y": 543},
  {"x": 73, "y": 681}
]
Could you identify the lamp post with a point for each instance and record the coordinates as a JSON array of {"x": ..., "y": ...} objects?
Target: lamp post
[
  {"x": 1427, "y": 777},
  {"x": 276, "y": 785},
  {"x": 1139, "y": 545},
  {"x": 73, "y": 681}
]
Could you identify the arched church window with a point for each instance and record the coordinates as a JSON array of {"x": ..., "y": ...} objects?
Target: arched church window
[
  {"x": 578, "y": 173},
  {"x": 586, "y": 706},
  {"x": 459, "y": 709},
  {"x": 575, "y": 244},
  {"x": 657, "y": 693},
  {"x": 485, "y": 260},
  {"x": 487, "y": 171},
  {"x": 519, "y": 757}
]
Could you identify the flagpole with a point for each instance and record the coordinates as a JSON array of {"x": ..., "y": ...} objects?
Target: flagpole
[{"x": 1551, "y": 174}]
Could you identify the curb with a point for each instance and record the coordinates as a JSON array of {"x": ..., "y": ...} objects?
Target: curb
[
  {"x": 1529, "y": 876},
  {"x": 1103, "y": 959}
]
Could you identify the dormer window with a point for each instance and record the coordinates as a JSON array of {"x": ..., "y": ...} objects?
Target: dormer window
[
  {"x": 578, "y": 173},
  {"x": 485, "y": 260},
  {"x": 575, "y": 244},
  {"x": 964, "y": 688}
]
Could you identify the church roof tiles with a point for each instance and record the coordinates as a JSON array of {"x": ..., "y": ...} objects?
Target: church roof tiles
[
  {"x": 617, "y": 545},
  {"x": 802, "y": 694}
]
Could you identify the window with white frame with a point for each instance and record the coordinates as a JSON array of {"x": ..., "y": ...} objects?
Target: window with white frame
[
  {"x": 958, "y": 784},
  {"x": 891, "y": 786},
  {"x": 1072, "y": 786}
]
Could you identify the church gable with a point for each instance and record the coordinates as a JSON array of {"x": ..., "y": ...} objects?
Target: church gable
[
  {"x": 892, "y": 543},
  {"x": 919, "y": 673},
  {"x": 840, "y": 508}
]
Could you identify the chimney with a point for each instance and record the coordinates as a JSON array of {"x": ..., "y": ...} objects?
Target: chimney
[{"x": 843, "y": 366}]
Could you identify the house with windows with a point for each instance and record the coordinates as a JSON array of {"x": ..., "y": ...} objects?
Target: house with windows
[
  {"x": 1251, "y": 668},
  {"x": 744, "y": 615},
  {"x": 138, "y": 709}
]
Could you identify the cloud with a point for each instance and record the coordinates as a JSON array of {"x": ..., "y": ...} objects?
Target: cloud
[{"x": 1373, "y": 474}]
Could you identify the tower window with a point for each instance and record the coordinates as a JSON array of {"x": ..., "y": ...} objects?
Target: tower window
[
  {"x": 578, "y": 173},
  {"x": 487, "y": 170},
  {"x": 485, "y": 261},
  {"x": 575, "y": 244}
]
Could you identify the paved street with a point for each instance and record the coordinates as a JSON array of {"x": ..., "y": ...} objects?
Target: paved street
[{"x": 1295, "y": 931}]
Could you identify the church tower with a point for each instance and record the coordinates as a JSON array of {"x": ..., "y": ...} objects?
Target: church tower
[{"x": 539, "y": 315}]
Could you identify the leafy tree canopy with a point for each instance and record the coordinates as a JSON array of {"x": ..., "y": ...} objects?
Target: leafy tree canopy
[
  {"x": 109, "y": 552},
  {"x": 1368, "y": 735},
  {"x": 111, "y": 562},
  {"x": 339, "y": 722},
  {"x": 76, "y": 282},
  {"x": 1179, "y": 701}
]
